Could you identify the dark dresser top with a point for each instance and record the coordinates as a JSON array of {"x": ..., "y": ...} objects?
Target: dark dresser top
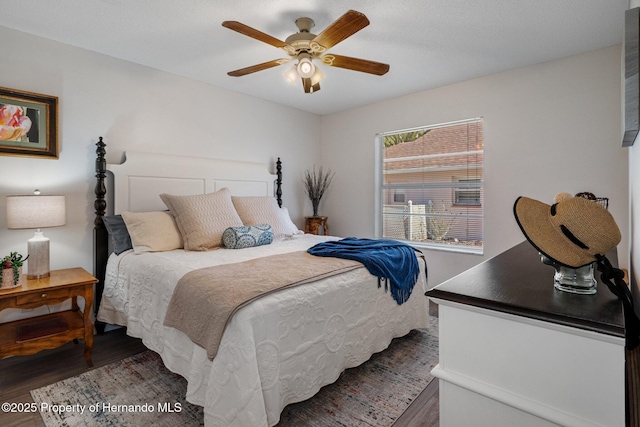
[{"x": 516, "y": 282}]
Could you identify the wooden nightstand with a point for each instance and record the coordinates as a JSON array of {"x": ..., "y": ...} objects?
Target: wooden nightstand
[
  {"x": 315, "y": 224},
  {"x": 32, "y": 335}
]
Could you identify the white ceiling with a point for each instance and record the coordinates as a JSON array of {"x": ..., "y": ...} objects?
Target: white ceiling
[{"x": 428, "y": 43}]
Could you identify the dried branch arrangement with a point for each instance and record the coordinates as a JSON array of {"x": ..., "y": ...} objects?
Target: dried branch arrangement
[{"x": 315, "y": 184}]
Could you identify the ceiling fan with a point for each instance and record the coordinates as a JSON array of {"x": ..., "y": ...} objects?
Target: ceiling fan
[{"x": 305, "y": 46}]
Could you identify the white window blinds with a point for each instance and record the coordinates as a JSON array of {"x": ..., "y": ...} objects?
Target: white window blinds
[{"x": 430, "y": 182}]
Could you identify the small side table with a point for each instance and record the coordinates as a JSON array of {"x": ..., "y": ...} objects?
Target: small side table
[
  {"x": 313, "y": 225},
  {"x": 28, "y": 336}
]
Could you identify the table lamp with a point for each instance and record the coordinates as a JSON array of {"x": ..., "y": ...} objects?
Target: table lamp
[{"x": 36, "y": 211}]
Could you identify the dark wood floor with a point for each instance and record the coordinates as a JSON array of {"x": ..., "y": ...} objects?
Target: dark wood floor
[{"x": 19, "y": 375}]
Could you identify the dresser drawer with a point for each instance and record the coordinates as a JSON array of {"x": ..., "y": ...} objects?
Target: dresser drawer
[{"x": 44, "y": 295}]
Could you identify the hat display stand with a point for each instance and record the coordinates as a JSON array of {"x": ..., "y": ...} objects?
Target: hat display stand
[
  {"x": 567, "y": 234},
  {"x": 574, "y": 280}
]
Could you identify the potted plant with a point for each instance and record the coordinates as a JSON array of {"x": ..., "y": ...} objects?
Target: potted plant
[
  {"x": 315, "y": 184},
  {"x": 11, "y": 270}
]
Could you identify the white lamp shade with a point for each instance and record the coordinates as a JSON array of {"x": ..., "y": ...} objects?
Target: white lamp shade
[
  {"x": 35, "y": 211},
  {"x": 317, "y": 77},
  {"x": 306, "y": 68},
  {"x": 292, "y": 74}
]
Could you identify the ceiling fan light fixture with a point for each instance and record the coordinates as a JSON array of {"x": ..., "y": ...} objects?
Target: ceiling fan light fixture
[
  {"x": 303, "y": 46},
  {"x": 317, "y": 76},
  {"x": 292, "y": 74},
  {"x": 306, "y": 68}
]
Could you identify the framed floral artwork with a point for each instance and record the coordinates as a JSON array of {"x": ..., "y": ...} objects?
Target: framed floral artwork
[{"x": 28, "y": 124}]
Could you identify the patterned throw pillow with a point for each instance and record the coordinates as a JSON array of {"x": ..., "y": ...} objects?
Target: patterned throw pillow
[
  {"x": 247, "y": 236},
  {"x": 202, "y": 218},
  {"x": 265, "y": 210}
]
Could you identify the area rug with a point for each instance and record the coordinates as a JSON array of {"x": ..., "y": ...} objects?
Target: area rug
[
  {"x": 375, "y": 393},
  {"x": 135, "y": 391},
  {"x": 139, "y": 390}
]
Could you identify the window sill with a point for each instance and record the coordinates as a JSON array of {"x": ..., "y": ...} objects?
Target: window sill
[{"x": 461, "y": 249}]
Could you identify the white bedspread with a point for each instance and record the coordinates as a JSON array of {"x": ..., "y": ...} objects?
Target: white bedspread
[{"x": 278, "y": 350}]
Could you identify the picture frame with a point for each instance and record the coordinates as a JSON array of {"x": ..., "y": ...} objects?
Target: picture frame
[{"x": 28, "y": 124}]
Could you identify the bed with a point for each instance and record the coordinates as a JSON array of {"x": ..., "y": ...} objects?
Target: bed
[{"x": 278, "y": 349}]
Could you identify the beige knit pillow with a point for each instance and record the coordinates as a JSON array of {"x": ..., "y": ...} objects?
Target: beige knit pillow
[
  {"x": 152, "y": 231},
  {"x": 202, "y": 218},
  {"x": 265, "y": 210}
]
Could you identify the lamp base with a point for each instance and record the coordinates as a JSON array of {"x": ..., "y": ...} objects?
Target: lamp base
[
  {"x": 38, "y": 262},
  {"x": 41, "y": 276}
]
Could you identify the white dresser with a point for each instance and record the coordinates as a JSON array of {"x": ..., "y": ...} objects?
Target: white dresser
[{"x": 516, "y": 352}]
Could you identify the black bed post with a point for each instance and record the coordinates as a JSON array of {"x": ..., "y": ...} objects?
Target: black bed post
[
  {"x": 279, "y": 182},
  {"x": 100, "y": 236}
]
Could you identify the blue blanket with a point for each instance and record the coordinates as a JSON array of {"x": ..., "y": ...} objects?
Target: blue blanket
[{"x": 390, "y": 261}]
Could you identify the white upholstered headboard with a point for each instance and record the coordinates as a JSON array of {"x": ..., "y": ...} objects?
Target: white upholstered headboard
[{"x": 142, "y": 177}]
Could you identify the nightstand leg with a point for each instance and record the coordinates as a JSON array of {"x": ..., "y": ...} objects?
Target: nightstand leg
[
  {"x": 88, "y": 326},
  {"x": 87, "y": 354}
]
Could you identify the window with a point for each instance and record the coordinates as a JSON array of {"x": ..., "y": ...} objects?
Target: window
[
  {"x": 467, "y": 195},
  {"x": 430, "y": 186},
  {"x": 398, "y": 196}
]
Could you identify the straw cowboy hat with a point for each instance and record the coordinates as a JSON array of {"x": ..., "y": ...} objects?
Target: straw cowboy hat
[
  {"x": 576, "y": 231},
  {"x": 571, "y": 231}
]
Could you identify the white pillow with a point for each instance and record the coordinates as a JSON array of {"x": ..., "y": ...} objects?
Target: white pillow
[
  {"x": 152, "y": 231},
  {"x": 265, "y": 210},
  {"x": 202, "y": 218}
]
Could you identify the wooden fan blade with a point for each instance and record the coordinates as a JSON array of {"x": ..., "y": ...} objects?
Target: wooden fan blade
[
  {"x": 356, "y": 64},
  {"x": 343, "y": 27},
  {"x": 308, "y": 87},
  {"x": 257, "y": 67},
  {"x": 253, "y": 33}
]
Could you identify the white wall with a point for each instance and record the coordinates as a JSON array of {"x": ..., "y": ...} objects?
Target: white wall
[
  {"x": 549, "y": 128},
  {"x": 135, "y": 108}
]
